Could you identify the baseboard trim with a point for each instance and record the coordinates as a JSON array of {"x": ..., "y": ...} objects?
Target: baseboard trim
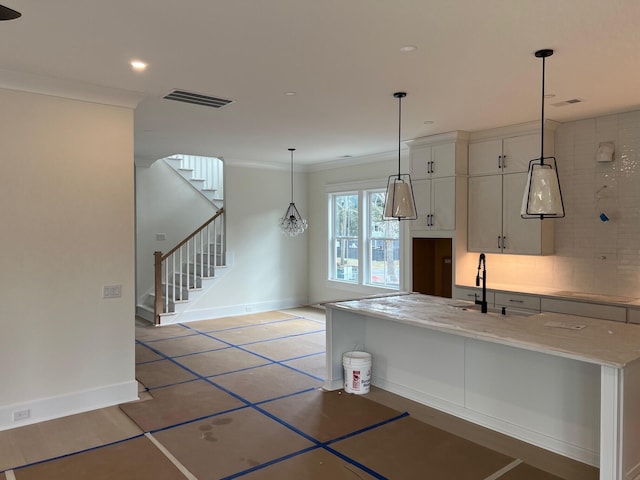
[
  {"x": 230, "y": 310},
  {"x": 43, "y": 409}
]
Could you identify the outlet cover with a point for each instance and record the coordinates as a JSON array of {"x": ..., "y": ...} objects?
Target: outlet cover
[
  {"x": 21, "y": 415},
  {"x": 112, "y": 291}
]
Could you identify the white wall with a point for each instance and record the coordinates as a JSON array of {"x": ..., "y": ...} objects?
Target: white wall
[
  {"x": 591, "y": 256},
  {"x": 268, "y": 270},
  {"x": 378, "y": 169},
  {"x": 67, "y": 212},
  {"x": 165, "y": 203}
]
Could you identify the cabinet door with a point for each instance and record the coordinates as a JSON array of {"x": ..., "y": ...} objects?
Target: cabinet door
[
  {"x": 518, "y": 151},
  {"x": 422, "y": 196},
  {"x": 520, "y": 236},
  {"x": 443, "y": 203},
  {"x": 485, "y": 214},
  {"x": 420, "y": 162},
  {"x": 485, "y": 157},
  {"x": 444, "y": 160}
]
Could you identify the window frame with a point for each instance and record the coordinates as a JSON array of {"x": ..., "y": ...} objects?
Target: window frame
[{"x": 364, "y": 191}]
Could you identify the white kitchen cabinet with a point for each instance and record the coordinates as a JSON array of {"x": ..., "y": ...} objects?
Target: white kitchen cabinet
[
  {"x": 473, "y": 293},
  {"x": 433, "y": 161},
  {"x": 438, "y": 170},
  {"x": 584, "y": 309},
  {"x": 494, "y": 221},
  {"x": 517, "y": 301},
  {"x": 435, "y": 203},
  {"x": 503, "y": 155},
  {"x": 485, "y": 214}
]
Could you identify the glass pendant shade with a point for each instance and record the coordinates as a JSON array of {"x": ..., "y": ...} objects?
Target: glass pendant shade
[
  {"x": 400, "y": 203},
  {"x": 542, "y": 196},
  {"x": 292, "y": 224}
]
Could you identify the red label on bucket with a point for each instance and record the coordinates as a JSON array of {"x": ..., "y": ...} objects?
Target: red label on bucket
[{"x": 356, "y": 380}]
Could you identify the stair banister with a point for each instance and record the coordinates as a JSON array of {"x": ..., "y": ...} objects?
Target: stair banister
[{"x": 162, "y": 306}]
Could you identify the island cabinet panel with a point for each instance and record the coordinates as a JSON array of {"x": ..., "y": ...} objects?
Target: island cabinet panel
[
  {"x": 549, "y": 399},
  {"x": 413, "y": 362},
  {"x": 406, "y": 361}
]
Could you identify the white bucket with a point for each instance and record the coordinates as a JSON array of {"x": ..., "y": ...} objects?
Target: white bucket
[{"x": 357, "y": 372}]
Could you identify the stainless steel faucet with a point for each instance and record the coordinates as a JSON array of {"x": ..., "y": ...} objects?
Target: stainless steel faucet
[{"x": 482, "y": 264}]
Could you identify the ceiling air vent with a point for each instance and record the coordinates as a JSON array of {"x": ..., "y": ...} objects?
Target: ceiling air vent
[
  {"x": 197, "y": 99},
  {"x": 567, "y": 102}
]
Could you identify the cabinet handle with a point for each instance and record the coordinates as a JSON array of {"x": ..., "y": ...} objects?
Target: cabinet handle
[
  {"x": 504, "y": 246},
  {"x": 516, "y": 301},
  {"x": 504, "y": 164},
  {"x": 499, "y": 161},
  {"x": 432, "y": 170},
  {"x": 499, "y": 237}
]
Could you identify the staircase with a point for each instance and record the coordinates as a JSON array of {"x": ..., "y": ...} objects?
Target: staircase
[
  {"x": 189, "y": 269},
  {"x": 205, "y": 174}
]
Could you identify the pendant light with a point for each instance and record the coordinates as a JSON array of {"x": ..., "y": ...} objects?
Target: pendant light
[
  {"x": 399, "y": 202},
  {"x": 292, "y": 223},
  {"x": 542, "y": 195}
]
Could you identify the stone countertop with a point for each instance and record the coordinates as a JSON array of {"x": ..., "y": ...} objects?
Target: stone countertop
[{"x": 590, "y": 340}]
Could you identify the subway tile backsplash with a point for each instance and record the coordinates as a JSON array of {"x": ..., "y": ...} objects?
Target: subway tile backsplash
[{"x": 593, "y": 255}]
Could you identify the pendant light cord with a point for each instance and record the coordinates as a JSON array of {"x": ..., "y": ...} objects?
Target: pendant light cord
[
  {"x": 292, "y": 150},
  {"x": 399, "y": 129},
  {"x": 542, "y": 117}
]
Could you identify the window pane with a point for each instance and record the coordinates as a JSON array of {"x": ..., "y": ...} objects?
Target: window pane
[
  {"x": 347, "y": 254},
  {"x": 378, "y": 226},
  {"x": 385, "y": 262},
  {"x": 346, "y": 215}
]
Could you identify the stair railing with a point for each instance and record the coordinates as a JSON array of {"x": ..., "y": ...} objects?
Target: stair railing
[{"x": 182, "y": 268}]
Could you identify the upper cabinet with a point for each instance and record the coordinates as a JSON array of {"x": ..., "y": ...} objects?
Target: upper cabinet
[
  {"x": 433, "y": 161},
  {"x": 438, "y": 165},
  {"x": 503, "y": 155},
  {"x": 498, "y": 164}
]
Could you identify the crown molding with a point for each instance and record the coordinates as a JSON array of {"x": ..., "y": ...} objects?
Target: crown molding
[{"x": 72, "y": 89}]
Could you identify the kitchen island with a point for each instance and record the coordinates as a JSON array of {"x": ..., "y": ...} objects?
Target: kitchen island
[{"x": 568, "y": 384}]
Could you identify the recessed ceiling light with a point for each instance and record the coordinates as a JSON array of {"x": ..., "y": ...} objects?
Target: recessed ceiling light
[
  {"x": 429, "y": 122},
  {"x": 289, "y": 94},
  {"x": 138, "y": 65},
  {"x": 408, "y": 48}
]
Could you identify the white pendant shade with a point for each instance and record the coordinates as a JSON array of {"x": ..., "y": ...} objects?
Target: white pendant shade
[
  {"x": 542, "y": 192},
  {"x": 400, "y": 203},
  {"x": 542, "y": 195}
]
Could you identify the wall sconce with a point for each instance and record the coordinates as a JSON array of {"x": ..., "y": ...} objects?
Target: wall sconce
[{"x": 605, "y": 152}]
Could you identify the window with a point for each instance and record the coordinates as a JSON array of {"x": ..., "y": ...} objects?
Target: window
[{"x": 364, "y": 249}]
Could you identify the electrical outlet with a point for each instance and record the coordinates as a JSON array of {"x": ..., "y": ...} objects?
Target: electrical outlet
[
  {"x": 161, "y": 236},
  {"x": 112, "y": 291},
  {"x": 21, "y": 415}
]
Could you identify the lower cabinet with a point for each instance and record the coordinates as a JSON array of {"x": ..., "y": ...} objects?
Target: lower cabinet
[{"x": 582, "y": 309}]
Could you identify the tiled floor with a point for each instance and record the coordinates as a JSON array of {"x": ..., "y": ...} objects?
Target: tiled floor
[{"x": 240, "y": 397}]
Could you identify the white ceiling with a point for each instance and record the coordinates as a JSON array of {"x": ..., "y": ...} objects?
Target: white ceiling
[{"x": 474, "y": 67}]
